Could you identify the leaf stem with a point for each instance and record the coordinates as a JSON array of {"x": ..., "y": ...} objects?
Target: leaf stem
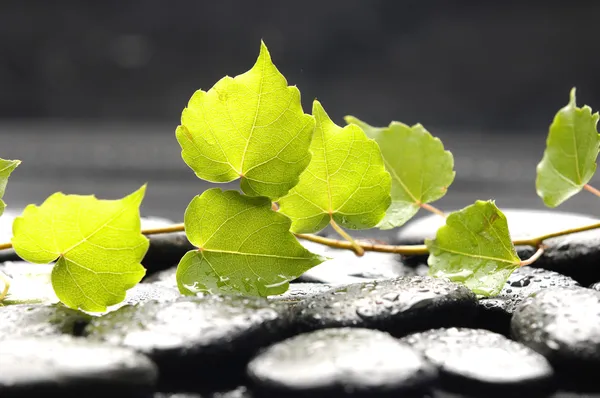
[
  {"x": 355, "y": 246},
  {"x": 6, "y": 281},
  {"x": 432, "y": 209},
  {"x": 412, "y": 250},
  {"x": 534, "y": 257},
  {"x": 164, "y": 230},
  {"x": 591, "y": 189}
]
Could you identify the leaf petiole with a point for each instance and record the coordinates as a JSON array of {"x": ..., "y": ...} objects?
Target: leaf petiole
[
  {"x": 432, "y": 209},
  {"x": 591, "y": 189},
  {"x": 355, "y": 246},
  {"x": 6, "y": 282},
  {"x": 534, "y": 257}
]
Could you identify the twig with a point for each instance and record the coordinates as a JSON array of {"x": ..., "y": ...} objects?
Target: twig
[
  {"x": 533, "y": 258},
  {"x": 591, "y": 189},
  {"x": 355, "y": 246}
]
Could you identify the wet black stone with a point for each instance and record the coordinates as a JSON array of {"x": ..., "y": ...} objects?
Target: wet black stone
[
  {"x": 72, "y": 367},
  {"x": 563, "y": 324},
  {"x": 6, "y": 221},
  {"x": 399, "y": 306},
  {"x": 344, "y": 362},
  {"x": 301, "y": 291},
  {"x": 346, "y": 267},
  {"x": 30, "y": 283},
  {"x": 595, "y": 286},
  {"x": 165, "y": 250},
  {"x": 144, "y": 292},
  {"x": 495, "y": 312},
  {"x": 197, "y": 342},
  {"x": 482, "y": 363},
  {"x": 240, "y": 392},
  {"x": 576, "y": 255},
  {"x": 166, "y": 278},
  {"x": 36, "y": 320}
]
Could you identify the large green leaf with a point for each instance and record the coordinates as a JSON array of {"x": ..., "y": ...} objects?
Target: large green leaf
[
  {"x": 243, "y": 247},
  {"x": 569, "y": 160},
  {"x": 98, "y": 246},
  {"x": 421, "y": 169},
  {"x": 474, "y": 248},
  {"x": 251, "y": 127},
  {"x": 6, "y": 167},
  {"x": 346, "y": 180}
]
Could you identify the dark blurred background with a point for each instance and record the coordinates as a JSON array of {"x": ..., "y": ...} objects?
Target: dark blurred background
[{"x": 91, "y": 92}]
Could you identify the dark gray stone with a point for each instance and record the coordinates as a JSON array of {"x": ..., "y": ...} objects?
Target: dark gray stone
[
  {"x": 301, "y": 291},
  {"x": 72, "y": 367},
  {"x": 399, "y": 306},
  {"x": 240, "y": 392},
  {"x": 563, "y": 324},
  {"x": 30, "y": 283},
  {"x": 36, "y": 320},
  {"x": 346, "y": 267},
  {"x": 595, "y": 286},
  {"x": 344, "y": 362},
  {"x": 165, "y": 250},
  {"x": 482, "y": 363},
  {"x": 197, "y": 342},
  {"x": 576, "y": 255},
  {"x": 141, "y": 293},
  {"x": 6, "y": 221},
  {"x": 495, "y": 312},
  {"x": 166, "y": 278}
]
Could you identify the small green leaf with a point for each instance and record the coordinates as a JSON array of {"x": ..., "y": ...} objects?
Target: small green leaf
[
  {"x": 6, "y": 167},
  {"x": 569, "y": 160},
  {"x": 474, "y": 248},
  {"x": 421, "y": 169},
  {"x": 251, "y": 126},
  {"x": 243, "y": 247},
  {"x": 98, "y": 246},
  {"x": 346, "y": 180}
]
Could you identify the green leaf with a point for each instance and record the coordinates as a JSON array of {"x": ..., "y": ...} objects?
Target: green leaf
[
  {"x": 346, "y": 180},
  {"x": 474, "y": 248},
  {"x": 243, "y": 247},
  {"x": 98, "y": 246},
  {"x": 6, "y": 168},
  {"x": 421, "y": 169},
  {"x": 251, "y": 126},
  {"x": 569, "y": 160}
]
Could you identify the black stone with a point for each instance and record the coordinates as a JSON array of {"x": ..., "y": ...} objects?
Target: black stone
[
  {"x": 563, "y": 324},
  {"x": 144, "y": 292},
  {"x": 595, "y": 286},
  {"x": 495, "y": 312},
  {"x": 399, "y": 306},
  {"x": 575, "y": 255},
  {"x": 197, "y": 342},
  {"x": 30, "y": 283},
  {"x": 482, "y": 363},
  {"x": 165, "y": 250},
  {"x": 6, "y": 222},
  {"x": 166, "y": 278},
  {"x": 36, "y": 320},
  {"x": 240, "y": 392},
  {"x": 72, "y": 367},
  {"x": 301, "y": 291},
  {"x": 344, "y": 362},
  {"x": 346, "y": 267}
]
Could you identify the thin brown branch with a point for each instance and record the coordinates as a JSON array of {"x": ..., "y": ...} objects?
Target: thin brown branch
[
  {"x": 534, "y": 257},
  {"x": 355, "y": 246}
]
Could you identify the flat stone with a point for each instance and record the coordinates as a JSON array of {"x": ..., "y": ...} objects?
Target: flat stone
[
  {"x": 72, "y": 367},
  {"x": 346, "y": 267},
  {"x": 195, "y": 340},
  {"x": 495, "y": 312},
  {"x": 166, "y": 278},
  {"x": 29, "y": 283},
  {"x": 563, "y": 324},
  {"x": 239, "y": 392},
  {"x": 141, "y": 293},
  {"x": 482, "y": 363},
  {"x": 36, "y": 320},
  {"x": 344, "y": 362},
  {"x": 301, "y": 291},
  {"x": 575, "y": 255},
  {"x": 399, "y": 306}
]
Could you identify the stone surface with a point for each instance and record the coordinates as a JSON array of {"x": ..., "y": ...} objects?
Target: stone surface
[
  {"x": 29, "y": 283},
  {"x": 205, "y": 341},
  {"x": 166, "y": 278},
  {"x": 37, "y": 320},
  {"x": 495, "y": 312},
  {"x": 483, "y": 363},
  {"x": 72, "y": 367},
  {"x": 346, "y": 267},
  {"x": 142, "y": 293},
  {"x": 301, "y": 291},
  {"x": 6, "y": 222},
  {"x": 575, "y": 255},
  {"x": 595, "y": 286},
  {"x": 341, "y": 362},
  {"x": 165, "y": 250},
  {"x": 563, "y": 324},
  {"x": 240, "y": 392},
  {"x": 399, "y": 306}
]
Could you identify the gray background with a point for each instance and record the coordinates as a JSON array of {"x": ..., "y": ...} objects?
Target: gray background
[{"x": 91, "y": 92}]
